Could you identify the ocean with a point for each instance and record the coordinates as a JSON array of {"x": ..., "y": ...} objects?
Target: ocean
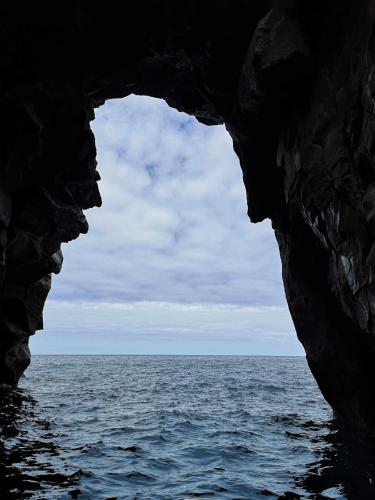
[{"x": 174, "y": 427}]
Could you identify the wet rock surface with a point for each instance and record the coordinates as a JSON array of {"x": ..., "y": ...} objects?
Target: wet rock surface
[{"x": 294, "y": 84}]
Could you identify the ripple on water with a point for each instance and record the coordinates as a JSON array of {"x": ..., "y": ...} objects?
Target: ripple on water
[{"x": 154, "y": 427}]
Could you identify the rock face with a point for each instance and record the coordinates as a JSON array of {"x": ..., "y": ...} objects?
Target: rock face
[{"x": 294, "y": 83}]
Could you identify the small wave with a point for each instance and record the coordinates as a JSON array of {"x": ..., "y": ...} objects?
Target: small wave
[
  {"x": 295, "y": 435},
  {"x": 164, "y": 463},
  {"x": 139, "y": 476},
  {"x": 291, "y": 419},
  {"x": 81, "y": 473},
  {"x": 131, "y": 449},
  {"x": 244, "y": 449},
  {"x": 220, "y": 433},
  {"x": 199, "y": 494},
  {"x": 236, "y": 451}
]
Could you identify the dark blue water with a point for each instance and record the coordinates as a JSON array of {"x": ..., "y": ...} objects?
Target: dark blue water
[{"x": 154, "y": 427}]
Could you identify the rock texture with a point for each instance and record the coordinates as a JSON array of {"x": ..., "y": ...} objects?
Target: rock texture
[{"x": 294, "y": 83}]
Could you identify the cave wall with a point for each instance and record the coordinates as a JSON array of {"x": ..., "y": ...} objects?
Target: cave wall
[{"x": 294, "y": 84}]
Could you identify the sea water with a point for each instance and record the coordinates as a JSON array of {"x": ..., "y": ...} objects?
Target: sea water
[{"x": 174, "y": 427}]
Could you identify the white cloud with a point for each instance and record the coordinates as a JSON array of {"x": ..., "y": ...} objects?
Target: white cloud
[
  {"x": 165, "y": 328},
  {"x": 173, "y": 225}
]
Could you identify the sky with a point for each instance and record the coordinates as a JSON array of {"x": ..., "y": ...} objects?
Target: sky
[{"x": 171, "y": 263}]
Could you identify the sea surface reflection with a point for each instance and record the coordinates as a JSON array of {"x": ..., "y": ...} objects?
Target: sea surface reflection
[
  {"x": 163, "y": 427},
  {"x": 27, "y": 448},
  {"x": 344, "y": 467}
]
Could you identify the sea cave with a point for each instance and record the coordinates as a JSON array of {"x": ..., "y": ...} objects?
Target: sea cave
[{"x": 293, "y": 83}]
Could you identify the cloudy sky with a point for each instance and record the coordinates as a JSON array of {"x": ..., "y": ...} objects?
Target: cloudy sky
[{"x": 171, "y": 264}]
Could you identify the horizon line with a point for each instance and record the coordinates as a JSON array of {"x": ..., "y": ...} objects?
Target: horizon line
[{"x": 186, "y": 355}]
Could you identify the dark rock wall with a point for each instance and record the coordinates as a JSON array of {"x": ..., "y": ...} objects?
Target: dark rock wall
[{"x": 294, "y": 83}]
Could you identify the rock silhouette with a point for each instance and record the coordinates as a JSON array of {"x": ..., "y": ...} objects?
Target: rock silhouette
[{"x": 294, "y": 83}]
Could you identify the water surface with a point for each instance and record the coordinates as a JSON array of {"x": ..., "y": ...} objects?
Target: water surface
[{"x": 165, "y": 427}]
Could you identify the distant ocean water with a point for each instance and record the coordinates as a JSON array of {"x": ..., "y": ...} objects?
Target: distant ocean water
[{"x": 174, "y": 427}]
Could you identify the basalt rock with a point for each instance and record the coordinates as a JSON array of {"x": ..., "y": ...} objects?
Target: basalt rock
[{"x": 294, "y": 83}]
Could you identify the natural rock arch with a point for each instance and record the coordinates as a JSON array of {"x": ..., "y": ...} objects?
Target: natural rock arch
[{"x": 294, "y": 85}]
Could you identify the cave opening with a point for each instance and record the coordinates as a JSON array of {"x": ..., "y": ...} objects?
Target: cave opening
[{"x": 171, "y": 263}]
